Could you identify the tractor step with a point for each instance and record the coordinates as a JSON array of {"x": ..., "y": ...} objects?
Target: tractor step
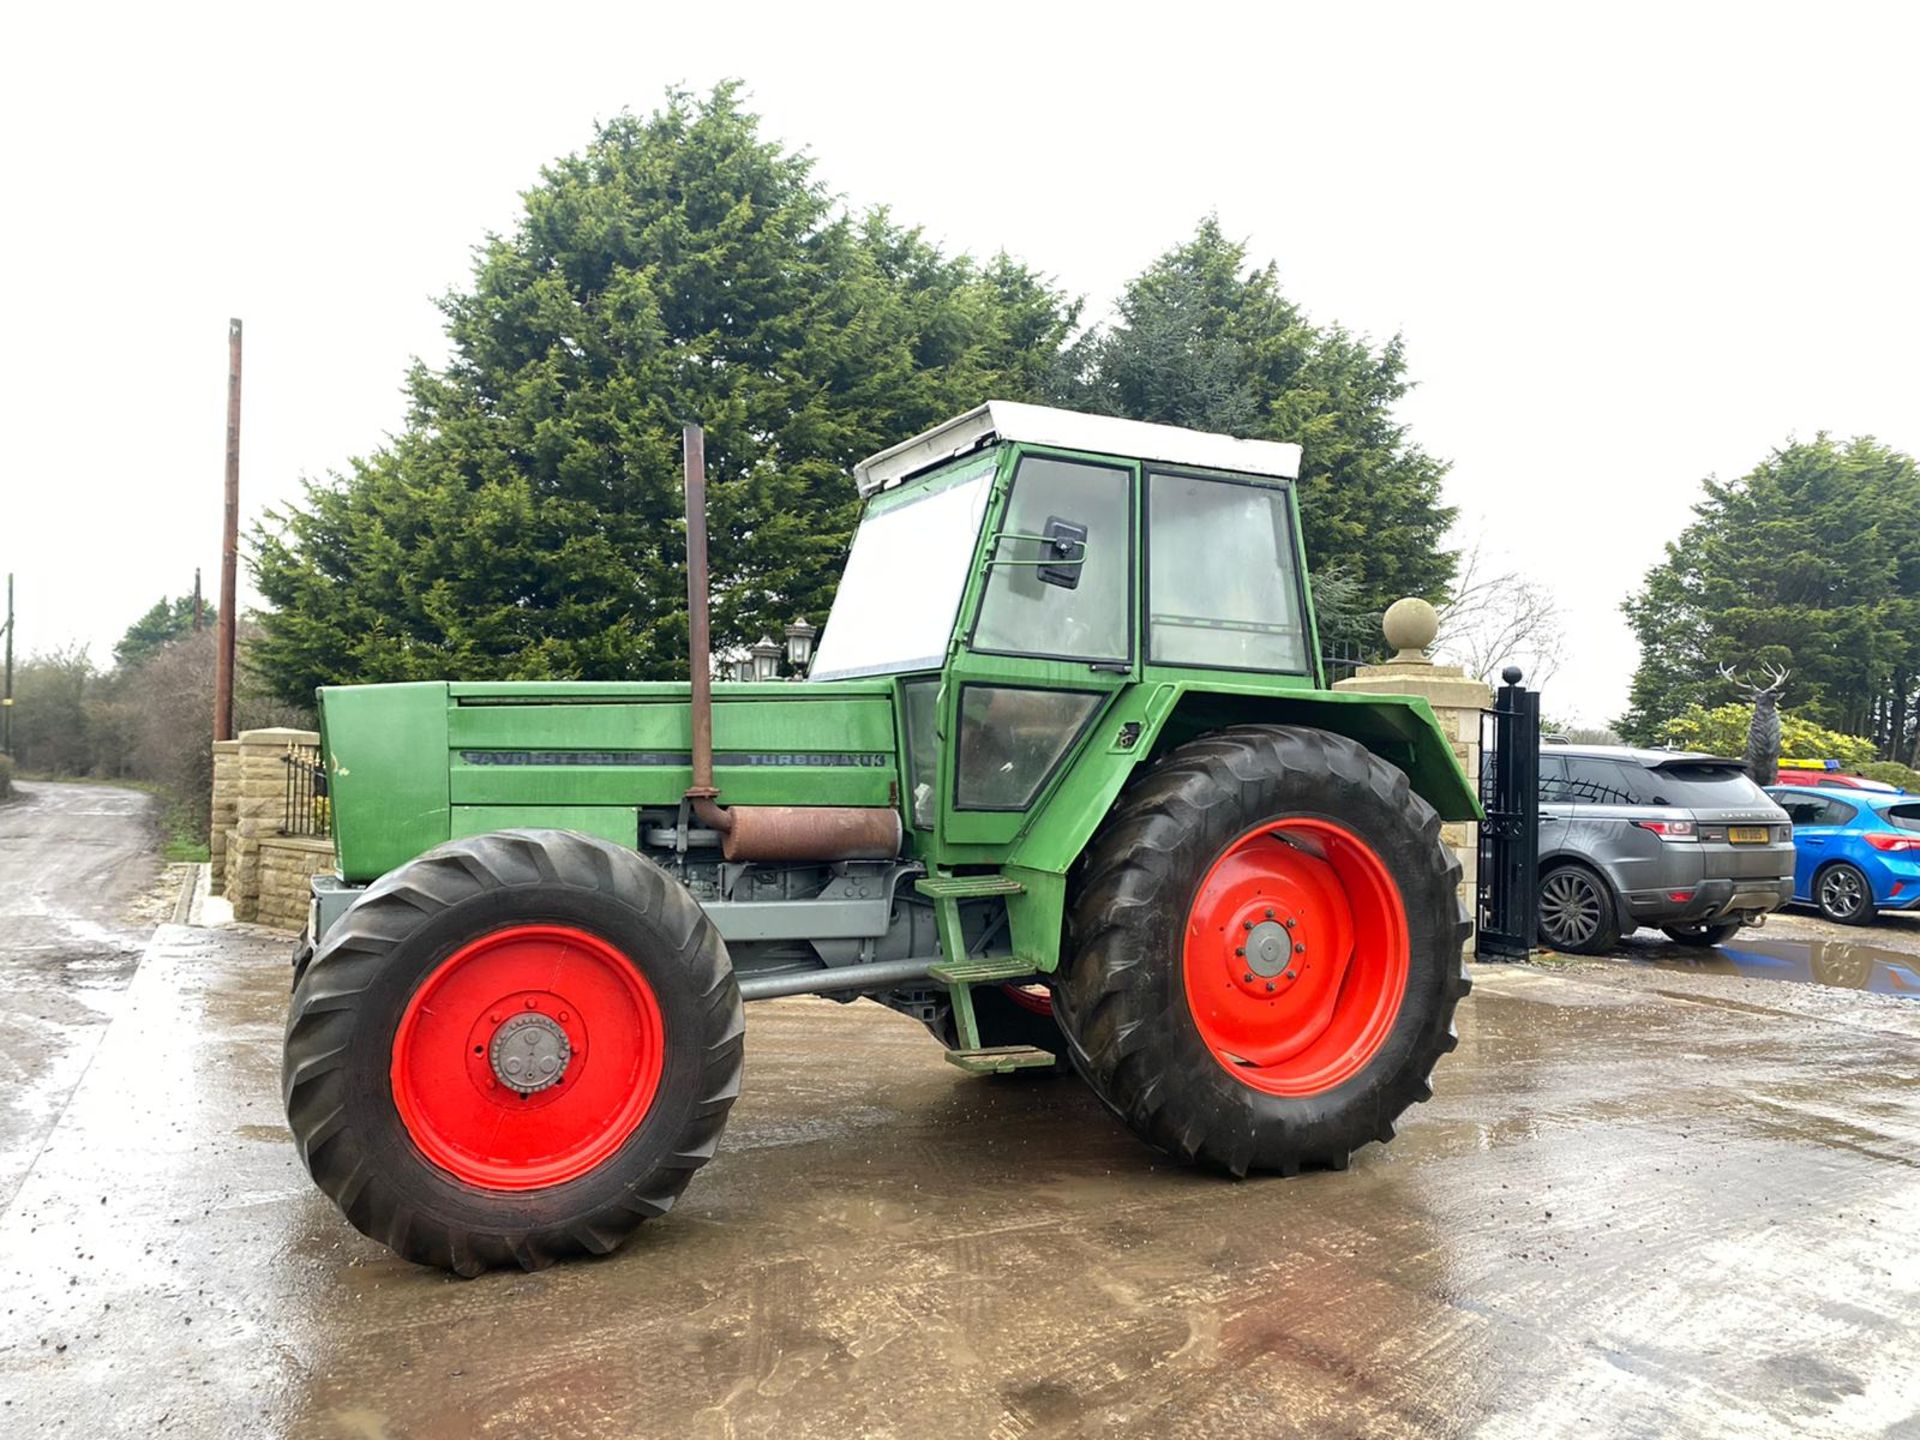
[
  {"x": 981, "y": 969},
  {"x": 965, "y": 887},
  {"x": 999, "y": 1059}
]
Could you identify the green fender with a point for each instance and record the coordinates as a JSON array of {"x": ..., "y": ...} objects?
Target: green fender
[{"x": 1401, "y": 729}]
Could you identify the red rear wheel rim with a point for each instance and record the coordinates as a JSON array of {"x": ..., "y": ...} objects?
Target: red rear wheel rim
[
  {"x": 512, "y": 1001},
  {"x": 1295, "y": 958}
]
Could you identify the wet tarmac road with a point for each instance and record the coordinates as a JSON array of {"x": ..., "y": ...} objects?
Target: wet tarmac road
[
  {"x": 72, "y": 859},
  {"x": 1643, "y": 1203}
]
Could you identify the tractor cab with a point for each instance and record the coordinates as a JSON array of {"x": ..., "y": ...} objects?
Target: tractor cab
[{"x": 1018, "y": 567}]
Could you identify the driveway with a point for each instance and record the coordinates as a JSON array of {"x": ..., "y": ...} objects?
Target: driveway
[
  {"x": 73, "y": 861},
  {"x": 1642, "y": 1203}
]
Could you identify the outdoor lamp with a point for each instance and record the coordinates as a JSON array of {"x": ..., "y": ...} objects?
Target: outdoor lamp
[
  {"x": 766, "y": 658},
  {"x": 800, "y": 642},
  {"x": 743, "y": 669}
]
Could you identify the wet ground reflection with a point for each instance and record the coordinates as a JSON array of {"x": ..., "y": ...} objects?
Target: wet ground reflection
[{"x": 1842, "y": 964}]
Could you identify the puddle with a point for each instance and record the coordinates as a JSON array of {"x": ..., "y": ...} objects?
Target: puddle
[{"x": 1841, "y": 964}]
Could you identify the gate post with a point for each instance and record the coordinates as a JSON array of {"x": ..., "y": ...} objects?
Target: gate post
[
  {"x": 1457, "y": 700},
  {"x": 1510, "y": 837}
]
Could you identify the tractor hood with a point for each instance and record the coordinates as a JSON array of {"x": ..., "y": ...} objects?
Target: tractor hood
[{"x": 410, "y": 766}]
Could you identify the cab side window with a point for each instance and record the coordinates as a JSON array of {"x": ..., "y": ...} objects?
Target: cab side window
[
  {"x": 1221, "y": 584},
  {"x": 1059, "y": 583}
]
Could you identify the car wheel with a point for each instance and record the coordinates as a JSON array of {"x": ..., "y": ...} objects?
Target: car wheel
[
  {"x": 1576, "y": 912},
  {"x": 1701, "y": 934},
  {"x": 1842, "y": 893}
]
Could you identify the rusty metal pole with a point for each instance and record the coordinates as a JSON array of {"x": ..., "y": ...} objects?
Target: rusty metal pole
[
  {"x": 229, "y": 548},
  {"x": 693, "y": 441}
]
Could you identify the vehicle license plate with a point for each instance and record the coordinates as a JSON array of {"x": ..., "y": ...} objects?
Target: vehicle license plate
[{"x": 1747, "y": 834}]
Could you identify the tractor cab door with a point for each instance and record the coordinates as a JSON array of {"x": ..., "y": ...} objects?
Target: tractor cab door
[{"x": 1046, "y": 640}]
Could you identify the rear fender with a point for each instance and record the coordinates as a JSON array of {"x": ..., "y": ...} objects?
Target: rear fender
[{"x": 1148, "y": 720}]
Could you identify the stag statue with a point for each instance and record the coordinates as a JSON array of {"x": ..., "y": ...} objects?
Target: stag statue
[{"x": 1763, "y": 731}]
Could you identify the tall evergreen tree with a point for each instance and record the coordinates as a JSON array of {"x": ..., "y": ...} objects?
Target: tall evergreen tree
[
  {"x": 166, "y": 622},
  {"x": 1203, "y": 339},
  {"x": 1810, "y": 561},
  {"x": 527, "y": 521}
]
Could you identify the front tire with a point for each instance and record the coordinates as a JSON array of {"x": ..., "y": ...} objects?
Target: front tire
[
  {"x": 514, "y": 1048},
  {"x": 1264, "y": 951}
]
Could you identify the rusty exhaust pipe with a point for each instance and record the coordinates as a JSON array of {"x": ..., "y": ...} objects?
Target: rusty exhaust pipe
[
  {"x": 772, "y": 833},
  {"x": 693, "y": 447}
]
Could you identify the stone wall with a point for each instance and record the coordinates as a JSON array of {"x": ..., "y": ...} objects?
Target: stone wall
[
  {"x": 1458, "y": 701},
  {"x": 287, "y": 862},
  {"x": 226, "y": 792},
  {"x": 262, "y": 873}
]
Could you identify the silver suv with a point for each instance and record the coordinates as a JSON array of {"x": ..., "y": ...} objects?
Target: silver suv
[{"x": 1655, "y": 837}]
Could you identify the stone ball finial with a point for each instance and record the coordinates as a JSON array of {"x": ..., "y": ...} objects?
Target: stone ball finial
[{"x": 1410, "y": 626}]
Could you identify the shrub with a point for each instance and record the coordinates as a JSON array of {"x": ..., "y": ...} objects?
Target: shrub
[
  {"x": 1723, "y": 731},
  {"x": 1892, "y": 772},
  {"x": 6, "y": 777}
]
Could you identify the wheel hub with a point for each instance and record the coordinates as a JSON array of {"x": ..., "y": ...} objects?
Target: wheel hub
[
  {"x": 1272, "y": 953},
  {"x": 529, "y": 1052}
]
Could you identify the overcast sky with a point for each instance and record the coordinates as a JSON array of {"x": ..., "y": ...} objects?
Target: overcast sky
[{"x": 1629, "y": 246}]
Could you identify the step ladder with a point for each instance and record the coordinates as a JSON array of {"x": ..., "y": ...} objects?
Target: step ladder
[{"x": 960, "y": 972}]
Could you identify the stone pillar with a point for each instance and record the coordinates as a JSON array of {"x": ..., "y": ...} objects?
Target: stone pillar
[
  {"x": 1457, "y": 699},
  {"x": 226, "y": 798},
  {"x": 260, "y": 807}
]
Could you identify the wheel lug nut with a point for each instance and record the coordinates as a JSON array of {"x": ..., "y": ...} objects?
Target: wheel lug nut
[
  {"x": 1239, "y": 949},
  {"x": 1247, "y": 924},
  {"x": 1269, "y": 985},
  {"x": 496, "y": 1017},
  {"x": 532, "y": 1004},
  {"x": 1292, "y": 975},
  {"x": 1247, "y": 978},
  {"x": 1290, "y": 922},
  {"x": 1299, "y": 949},
  {"x": 1269, "y": 912},
  {"x": 563, "y": 1017}
]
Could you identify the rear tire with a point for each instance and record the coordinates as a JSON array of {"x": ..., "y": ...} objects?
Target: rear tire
[
  {"x": 396, "y": 1076},
  {"x": 1208, "y": 849},
  {"x": 1701, "y": 934},
  {"x": 1843, "y": 895},
  {"x": 1576, "y": 912}
]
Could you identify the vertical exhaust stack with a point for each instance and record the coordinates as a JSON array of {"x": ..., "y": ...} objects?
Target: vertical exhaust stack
[
  {"x": 693, "y": 446},
  {"x": 773, "y": 833}
]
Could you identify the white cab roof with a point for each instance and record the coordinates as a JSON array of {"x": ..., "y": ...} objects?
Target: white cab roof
[{"x": 1072, "y": 430}]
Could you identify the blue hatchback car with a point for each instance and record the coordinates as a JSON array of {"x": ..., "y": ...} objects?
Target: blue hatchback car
[{"x": 1856, "y": 852}]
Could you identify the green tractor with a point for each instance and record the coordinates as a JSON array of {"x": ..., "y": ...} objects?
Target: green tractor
[{"x": 1065, "y": 784}]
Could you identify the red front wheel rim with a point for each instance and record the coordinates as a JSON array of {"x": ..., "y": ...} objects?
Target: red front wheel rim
[
  {"x": 528, "y": 1057},
  {"x": 1296, "y": 956}
]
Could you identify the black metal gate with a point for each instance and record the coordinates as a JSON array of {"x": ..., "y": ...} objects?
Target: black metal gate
[{"x": 1510, "y": 835}]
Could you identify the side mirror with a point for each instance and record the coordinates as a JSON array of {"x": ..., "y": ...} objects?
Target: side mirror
[{"x": 1066, "y": 553}]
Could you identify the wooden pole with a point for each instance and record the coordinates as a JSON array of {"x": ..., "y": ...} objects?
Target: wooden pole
[
  {"x": 6, "y": 699},
  {"x": 229, "y": 547}
]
